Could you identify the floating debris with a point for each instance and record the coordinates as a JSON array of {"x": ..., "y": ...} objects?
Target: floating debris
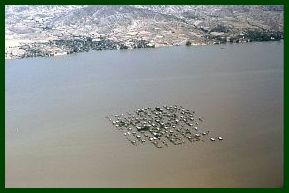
[{"x": 161, "y": 126}]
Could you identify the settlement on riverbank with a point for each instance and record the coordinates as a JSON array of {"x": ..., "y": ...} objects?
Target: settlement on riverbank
[{"x": 83, "y": 43}]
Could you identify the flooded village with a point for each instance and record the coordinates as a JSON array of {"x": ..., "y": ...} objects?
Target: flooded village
[{"x": 161, "y": 125}]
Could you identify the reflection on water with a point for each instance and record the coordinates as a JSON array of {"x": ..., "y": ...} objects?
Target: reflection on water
[{"x": 57, "y": 134}]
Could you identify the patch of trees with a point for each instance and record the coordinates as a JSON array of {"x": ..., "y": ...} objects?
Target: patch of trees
[{"x": 263, "y": 35}]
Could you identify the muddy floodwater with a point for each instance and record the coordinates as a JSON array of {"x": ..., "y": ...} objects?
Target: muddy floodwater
[{"x": 56, "y": 133}]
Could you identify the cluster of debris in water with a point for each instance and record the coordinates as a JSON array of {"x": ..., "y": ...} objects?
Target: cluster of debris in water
[{"x": 162, "y": 126}]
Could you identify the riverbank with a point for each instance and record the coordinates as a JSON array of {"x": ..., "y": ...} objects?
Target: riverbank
[{"x": 16, "y": 50}]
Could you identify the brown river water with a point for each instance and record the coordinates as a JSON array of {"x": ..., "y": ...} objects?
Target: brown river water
[{"x": 56, "y": 134}]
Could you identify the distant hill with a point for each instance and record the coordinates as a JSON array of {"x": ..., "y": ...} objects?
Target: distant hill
[{"x": 156, "y": 25}]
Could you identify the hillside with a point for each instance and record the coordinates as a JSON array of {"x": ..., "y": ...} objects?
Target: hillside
[{"x": 56, "y": 30}]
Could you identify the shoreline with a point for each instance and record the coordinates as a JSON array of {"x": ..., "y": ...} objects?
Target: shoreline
[{"x": 162, "y": 46}]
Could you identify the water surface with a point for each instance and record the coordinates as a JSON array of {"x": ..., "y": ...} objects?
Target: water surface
[{"x": 56, "y": 134}]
